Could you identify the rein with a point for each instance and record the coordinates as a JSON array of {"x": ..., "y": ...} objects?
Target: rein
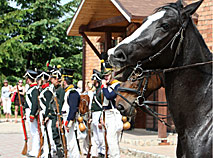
[
  {"x": 187, "y": 66},
  {"x": 138, "y": 70}
]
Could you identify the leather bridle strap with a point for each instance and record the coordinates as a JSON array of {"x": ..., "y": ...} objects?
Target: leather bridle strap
[
  {"x": 145, "y": 108},
  {"x": 151, "y": 58},
  {"x": 171, "y": 42},
  {"x": 186, "y": 66},
  {"x": 116, "y": 92},
  {"x": 155, "y": 103},
  {"x": 138, "y": 92},
  {"x": 149, "y": 111},
  {"x": 131, "y": 104}
]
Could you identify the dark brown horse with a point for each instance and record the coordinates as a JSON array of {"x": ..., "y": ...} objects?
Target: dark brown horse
[
  {"x": 170, "y": 41},
  {"x": 130, "y": 91}
]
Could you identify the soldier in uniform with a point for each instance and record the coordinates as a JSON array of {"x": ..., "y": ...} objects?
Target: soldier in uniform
[
  {"x": 31, "y": 110},
  {"x": 96, "y": 109},
  {"x": 45, "y": 98},
  {"x": 69, "y": 111},
  {"x": 59, "y": 91},
  {"x": 113, "y": 118}
]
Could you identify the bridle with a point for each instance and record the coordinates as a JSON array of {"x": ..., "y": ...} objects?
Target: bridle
[
  {"x": 140, "y": 101},
  {"x": 171, "y": 41}
]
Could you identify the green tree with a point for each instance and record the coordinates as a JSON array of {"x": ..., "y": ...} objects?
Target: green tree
[{"x": 32, "y": 33}]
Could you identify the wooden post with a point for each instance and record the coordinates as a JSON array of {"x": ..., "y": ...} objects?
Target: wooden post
[
  {"x": 162, "y": 129},
  {"x": 83, "y": 65},
  {"x": 108, "y": 41}
]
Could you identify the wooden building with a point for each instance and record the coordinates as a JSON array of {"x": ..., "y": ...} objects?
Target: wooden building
[{"x": 104, "y": 23}]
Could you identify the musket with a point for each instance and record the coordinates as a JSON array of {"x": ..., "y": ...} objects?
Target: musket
[
  {"x": 48, "y": 138},
  {"x": 89, "y": 134},
  {"x": 39, "y": 128},
  {"x": 24, "y": 151},
  {"x": 61, "y": 127}
]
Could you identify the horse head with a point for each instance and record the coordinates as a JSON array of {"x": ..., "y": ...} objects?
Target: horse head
[
  {"x": 132, "y": 93},
  {"x": 159, "y": 37}
]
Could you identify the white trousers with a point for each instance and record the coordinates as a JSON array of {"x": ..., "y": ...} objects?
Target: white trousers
[
  {"x": 34, "y": 133},
  {"x": 98, "y": 135},
  {"x": 44, "y": 134},
  {"x": 114, "y": 125},
  {"x": 6, "y": 105},
  {"x": 72, "y": 145}
]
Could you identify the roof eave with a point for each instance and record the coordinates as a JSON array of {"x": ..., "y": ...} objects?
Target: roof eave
[
  {"x": 123, "y": 11},
  {"x": 75, "y": 17}
]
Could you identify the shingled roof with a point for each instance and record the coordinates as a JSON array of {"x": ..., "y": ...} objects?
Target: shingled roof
[
  {"x": 106, "y": 11},
  {"x": 138, "y": 9}
]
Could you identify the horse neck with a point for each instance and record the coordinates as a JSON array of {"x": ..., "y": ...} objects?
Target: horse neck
[
  {"x": 194, "y": 48},
  {"x": 188, "y": 91}
]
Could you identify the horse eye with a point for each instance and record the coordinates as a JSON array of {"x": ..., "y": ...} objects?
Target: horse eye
[{"x": 165, "y": 26}]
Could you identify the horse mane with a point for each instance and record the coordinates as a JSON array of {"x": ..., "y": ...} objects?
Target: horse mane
[{"x": 169, "y": 5}]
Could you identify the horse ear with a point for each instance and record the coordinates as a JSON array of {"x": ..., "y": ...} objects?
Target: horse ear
[
  {"x": 191, "y": 8},
  {"x": 179, "y": 3}
]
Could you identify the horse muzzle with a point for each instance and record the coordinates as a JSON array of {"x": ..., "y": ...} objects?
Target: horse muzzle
[
  {"x": 129, "y": 111},
  {"x": 118, "y": 59}
]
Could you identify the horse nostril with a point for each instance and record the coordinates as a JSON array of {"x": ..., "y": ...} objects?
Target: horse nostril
[
  {"x": 120, "y": 107},
  {"x": 120, "y": 55}
]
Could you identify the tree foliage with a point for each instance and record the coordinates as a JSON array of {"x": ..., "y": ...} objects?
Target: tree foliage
[{"x": 32, "y": 33}]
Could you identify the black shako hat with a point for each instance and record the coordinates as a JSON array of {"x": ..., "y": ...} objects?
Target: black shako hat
[
  {"x": 30, "y": 74},
  {"x": 96, "y": 75},
  {"x": 54, "y": 72},
  {"x": 67, "y": 74}
]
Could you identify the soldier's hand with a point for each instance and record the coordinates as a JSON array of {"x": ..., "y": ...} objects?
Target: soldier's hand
[
  {"x": 24, "y": 117},
  {"x": 32, "y": 118},
  {"x": 46, "y": 119},
  {"x": 56, "y": 124},
  {"x": 104, "y": 83},
  {"x": 99, "y": 125},
  {"x": 70, "y": 123},
  {"x": 67, "y": 129}
]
